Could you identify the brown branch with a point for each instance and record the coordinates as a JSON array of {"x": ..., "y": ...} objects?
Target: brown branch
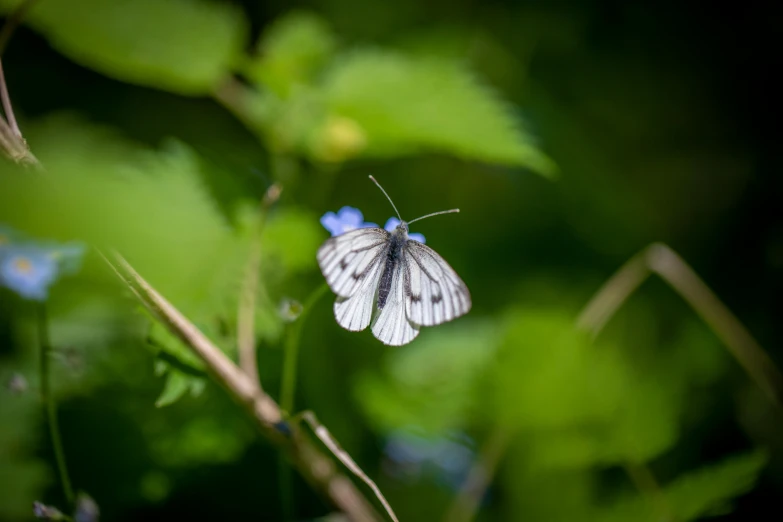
[
  {"x": 330, "y": 442},
  {"x": 315, "y": 467},
  {"x": 11, "y": 141},
  {"x": 662, "y": 260},
  {"x": 246, "y": 315},
  {"x": 8, "y": 109}
]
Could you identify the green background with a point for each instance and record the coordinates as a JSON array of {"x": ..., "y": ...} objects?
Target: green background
[{"x": 571, "y": 135}]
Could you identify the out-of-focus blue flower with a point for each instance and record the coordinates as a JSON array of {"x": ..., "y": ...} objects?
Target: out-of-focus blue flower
[
  {"x": 346, "y": 219},
  {"x": 412, "y": 455},
  {"x": 393, "y": 222},
  {"x": 28, "y": 271},
  {"x": 86, "y": 509},
  {"x": 30, "y": 268},
  {"x": 44, "y": 512}
]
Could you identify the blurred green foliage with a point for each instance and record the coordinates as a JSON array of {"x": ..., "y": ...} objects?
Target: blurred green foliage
[
  {"x": 183, "y": 46},
  {"x": 173, "y": 119}
]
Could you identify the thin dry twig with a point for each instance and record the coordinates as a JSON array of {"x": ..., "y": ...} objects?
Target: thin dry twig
[
  {"x": 246, "y": 315},
  {"x": 11, "y": 141},
  {"x": 662, "y": 260},
  {"x": 657, "y": 259},
  {"x": 330, "y": 442},
  {"x": 314, "y": 466}
]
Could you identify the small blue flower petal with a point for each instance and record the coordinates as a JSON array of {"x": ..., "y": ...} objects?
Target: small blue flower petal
[
  {"x": 332, "y": 223},
  {"x": 391, "y": 224},
  {"x": 351, "y": 216},
  {"x": 28, "y": 271},
  {"x": 346, "y": 219},
  {"x": 394, "y": 222}
]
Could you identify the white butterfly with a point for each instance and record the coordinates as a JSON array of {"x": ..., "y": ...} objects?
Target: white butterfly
[{"x": 411, "y": 285}]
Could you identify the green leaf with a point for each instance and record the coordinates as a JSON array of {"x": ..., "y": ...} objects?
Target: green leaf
[
  {"x": 211, "y": 435},
  {"x": 176, "y": 351},
  {"x": 405, "y": 105},
  {"x": 695, "y": 494},
  {"x": 433, "y": 383},
  {"x": 550, "y": 377},
  {"x": 582, "y": 403},
  {"x": 290, "y": 240},
  {"x": 177, "y": 384},
  {"x": 150, "y": 205},
  {"x": 291, "y": 51},
  {"x": 183, "y": 46},
  {"x": 699, "y": 492}
]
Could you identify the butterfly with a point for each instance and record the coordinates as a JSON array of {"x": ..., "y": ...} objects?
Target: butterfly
[{"x": 393, "y": 281}]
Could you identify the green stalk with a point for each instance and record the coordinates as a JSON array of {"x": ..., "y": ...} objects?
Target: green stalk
[
  {"x": 49, "y": 404},
  {"x": 291, "y": 352},
  {"x": 288, "y": 392}
]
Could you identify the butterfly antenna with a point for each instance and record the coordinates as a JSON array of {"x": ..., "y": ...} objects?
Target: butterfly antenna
[
  {"x": 452, "y": 211},
  {"x": 387, "y": 197}
]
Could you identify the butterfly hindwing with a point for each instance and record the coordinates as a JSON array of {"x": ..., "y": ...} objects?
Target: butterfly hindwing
[
  {"x": 391, "y": 325},
  {"x": 347, "y": 260},
  {"x": 434, "y": 293}
]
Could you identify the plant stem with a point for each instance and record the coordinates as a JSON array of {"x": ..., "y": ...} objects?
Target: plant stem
[
  {"x": 314, "y": 466},
  {"x": 291, "y": 349},
  {"x": 661, "y": 260},
  {"x": 251, "y": 286},
  {"x": 288, "y": 393},
  {"x": 49, "y": 404}
]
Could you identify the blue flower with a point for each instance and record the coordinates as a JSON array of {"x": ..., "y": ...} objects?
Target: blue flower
[
  {"x": 44, "y": 512},
  {"x": 28, "y": 271},
  {"x": 412, "y": 455},
  {"x": 87, "y": 509},
  {"x": 393, "y": 222},
  {"x": 346, "y": 219}
]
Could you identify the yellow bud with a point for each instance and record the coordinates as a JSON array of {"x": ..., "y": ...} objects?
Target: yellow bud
[{"x": 340, "y": 139}]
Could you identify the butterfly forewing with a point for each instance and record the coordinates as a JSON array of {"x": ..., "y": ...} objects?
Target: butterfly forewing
[
  {"x": 354, "y": 313},
  {"x": 348, "y": 259},
  {"x": 433, "y": 290},
  {"x": 391, "y": 325}
]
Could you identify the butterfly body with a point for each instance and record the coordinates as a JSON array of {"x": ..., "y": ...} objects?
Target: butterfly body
[{"x": 397, "y": 240}]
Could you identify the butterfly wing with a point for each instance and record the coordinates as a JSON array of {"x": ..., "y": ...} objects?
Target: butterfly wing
[
  {"x": 435, "y": 293},
  {"x": 345, "y": 260},
  {"x": 354, "y": 313},
  {"x": 391, "y": 325},
  {"x": 352, "y": 264}
]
